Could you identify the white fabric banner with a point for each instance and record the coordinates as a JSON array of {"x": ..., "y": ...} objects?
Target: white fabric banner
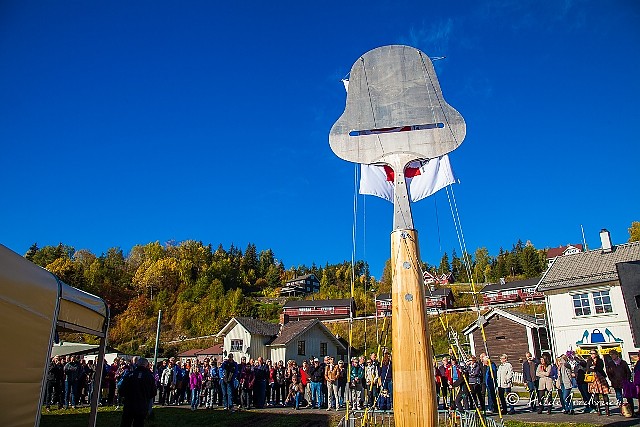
[{"x": 423, "y": 180}]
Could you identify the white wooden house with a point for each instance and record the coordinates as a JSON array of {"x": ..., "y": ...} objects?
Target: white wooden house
[
  {"x": 302, "y": 339},
  {"x": 247, "y": 337},
  {"x": 297, "y": 340},
  {"x": 585, "y": 304}
]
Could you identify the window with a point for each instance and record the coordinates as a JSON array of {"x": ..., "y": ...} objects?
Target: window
[
  {"x": 304, "y": 309},
  {"x": 602, "y": 302},
  {"x": 323, "y": 349},
  {"x": 236, "y": 345},
  {"x": 301, "y": 349},
  {"x": 581, "y": 304}
]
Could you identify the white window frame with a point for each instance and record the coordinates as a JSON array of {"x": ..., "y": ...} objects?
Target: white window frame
[{"x": 236, "y": 344}]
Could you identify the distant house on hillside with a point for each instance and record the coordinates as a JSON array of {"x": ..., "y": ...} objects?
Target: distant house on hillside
[
  {"x": 435, "y": 300},
  {"x": 586, "y": 306},
  {"x": 506, "y": 292},
  {"x": 297, "y": 340},
  {"x": 509, "y": 332},
  {"x": 319, "y": 309},
  {"x": 437, "y": 279},
  {"x": 561, "y": 251},
  {"x": 300, "y": 286}
]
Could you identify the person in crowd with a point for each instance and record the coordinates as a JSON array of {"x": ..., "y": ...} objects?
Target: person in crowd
[
  {"x": 205, "y": 371},
  {"x": 505, "y": 382},
  {"x": 372, "y": 379},
  {"x": 619, "y": 374},
  {"x": 545, "y": 384},
  {"x": 384, "y": 400},
  {"x": 355, "y": 384},
  {"x": 215, "y": 392},
  {"x": 195, "y": 385},
  {"x": 529, "y": 366},
  {"x": 475, "y": 383},
  {"x": 182, "y": 382},
  {"x": 89, "y": 376},
  {"x": 261, "y": 373},
  {"x": 247, "y": 383},
  {"x": 325, "y": 392},
  {"x": 73, "y": 375},
  {"x": 296, "y": 392},
  {"x": 342, "y": 383},
  {"x": 490, "y": 383},
  {"x": 599, "y": 386},
  {"x": 305, "y": 381},
  {"x": 316, "y": 375},
  {"x": 280, "y": 384},
  {"x": 271, "y": 389},
  {"x": 331, "y": 373},
  {"x": 447, "y": 397},
  {"x": 386, "y": 374},
  {"x": 579, "y": 370},
  {"x": 565, "y": 384},
  {"x": 228, "y": 373},
  {"x": 457, "y": 387},
  {"x": 631, "y": 390},
  {"x": 55, "y": 375},
  {"x": 137, "y": 389},
  {"x": 167, "y": 384}
]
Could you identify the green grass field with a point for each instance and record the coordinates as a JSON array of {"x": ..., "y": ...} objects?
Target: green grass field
[{"x": 178, "y": 417}]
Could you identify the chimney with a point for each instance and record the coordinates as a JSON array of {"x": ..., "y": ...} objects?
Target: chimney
[
  {"x": 605, "y": 238},
  {"x": 284, "y": 319}
]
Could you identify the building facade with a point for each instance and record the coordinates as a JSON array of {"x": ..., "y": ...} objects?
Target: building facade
[{"x": 584, "y": 300}]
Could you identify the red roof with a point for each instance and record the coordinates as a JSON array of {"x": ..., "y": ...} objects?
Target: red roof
[
  {"x": 554, "y": 252},
  {"x": 215, "y": 350},
  {"x": 190, "y": 353}
]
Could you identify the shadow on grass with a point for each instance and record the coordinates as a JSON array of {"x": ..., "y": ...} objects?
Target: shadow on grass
[{"x": 177, "y": 417}]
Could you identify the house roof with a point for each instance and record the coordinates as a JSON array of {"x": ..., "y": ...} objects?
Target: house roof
[
  {"x": 190, "y": 353},
  {"x": 518, "y": 284},
  {"x": 318, "y": 303},
  {"x": 213, "y": 350},
  {"x": 253, "y": 326},
  {"x": 306, "y": 276},
  {"x": 440, "y": 292},
  {"x": 291, "y": 330},
  {"x": 554, "y": 252},
  {"x": 521, "y": 318},
  {"x": 587, "y": 268}
]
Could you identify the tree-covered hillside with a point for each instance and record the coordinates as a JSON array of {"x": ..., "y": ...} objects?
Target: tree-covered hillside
[{"x": 199, "y": 287}]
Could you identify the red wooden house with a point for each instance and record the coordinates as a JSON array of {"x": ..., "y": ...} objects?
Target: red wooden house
[
  {"x": 511, "y": 292},
  {"x": 437, "y": 299},
  {"x": 319, "y": 309}
]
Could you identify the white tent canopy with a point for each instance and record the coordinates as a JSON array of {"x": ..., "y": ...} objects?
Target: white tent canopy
[{"x": 33, "y": 305}]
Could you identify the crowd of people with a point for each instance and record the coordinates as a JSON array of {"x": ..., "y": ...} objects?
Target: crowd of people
[
  {"x": 480, "y": 384},
  {"x": 260, "y": 383},
  {"x": 229, "y": 384},
  {"x": 475, "y": 384}
]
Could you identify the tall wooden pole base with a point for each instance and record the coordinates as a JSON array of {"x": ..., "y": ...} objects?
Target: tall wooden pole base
[{"x": 414, "y": 395}]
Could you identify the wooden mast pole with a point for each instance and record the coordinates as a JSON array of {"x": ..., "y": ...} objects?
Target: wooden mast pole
[{"x": 414, "y": 397}]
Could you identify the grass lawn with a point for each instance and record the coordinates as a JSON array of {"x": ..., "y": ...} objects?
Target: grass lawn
[{"x": 178, "y": 417}]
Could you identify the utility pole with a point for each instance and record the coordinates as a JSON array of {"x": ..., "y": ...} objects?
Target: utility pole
[{"x": 155, "y": 352}]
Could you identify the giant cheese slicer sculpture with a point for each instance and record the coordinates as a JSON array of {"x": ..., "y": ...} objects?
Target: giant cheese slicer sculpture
[{"x": 395, "y": 114}]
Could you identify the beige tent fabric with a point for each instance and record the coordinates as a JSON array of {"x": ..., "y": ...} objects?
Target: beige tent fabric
[{"x": 28, "y": 313}]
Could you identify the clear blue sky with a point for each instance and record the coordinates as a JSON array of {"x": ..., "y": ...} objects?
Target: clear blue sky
[{"x": 130, "y": 122}]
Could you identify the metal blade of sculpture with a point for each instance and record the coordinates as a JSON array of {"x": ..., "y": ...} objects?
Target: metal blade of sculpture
[{"x": 395, "y": 114}]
